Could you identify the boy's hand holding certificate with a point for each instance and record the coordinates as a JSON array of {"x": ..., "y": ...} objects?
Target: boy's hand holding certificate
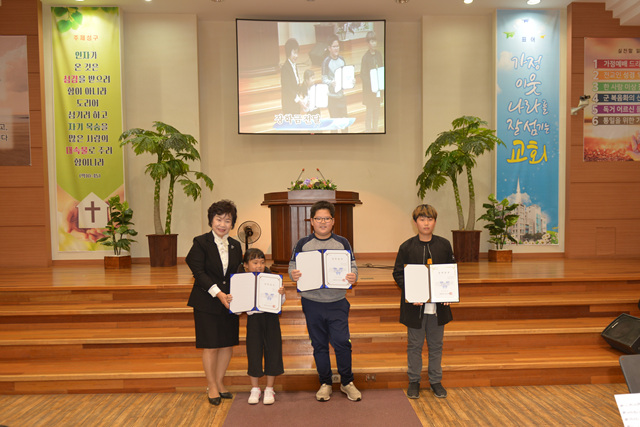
[
  {"x": 255, "y": 291},
  {"x": 323, "y": 269},
  {"x": 432, "y": 283}
]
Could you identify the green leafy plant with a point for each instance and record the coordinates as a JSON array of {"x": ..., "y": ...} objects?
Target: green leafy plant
[
  {"x": 118, "y": 227},
  {"x": 172, "y": 150},
  {"x": 70, "y": 18},
  {"x": 500, "y": 219},
  {"x": 452, "y": 153}
]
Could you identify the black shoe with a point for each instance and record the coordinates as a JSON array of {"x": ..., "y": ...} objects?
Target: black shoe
[
  {"x": 215, "y": 401},
  {"x": 413, "y": 392},
  {"x": 438, "y": 390},
  {"x": 226, "y": 395}
]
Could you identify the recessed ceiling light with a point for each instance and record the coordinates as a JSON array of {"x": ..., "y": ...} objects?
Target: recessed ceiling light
[
  {"x": 533, "y": 1},
  {"x": 402, "y": 1},
  {"x": 468, "y": 1}
]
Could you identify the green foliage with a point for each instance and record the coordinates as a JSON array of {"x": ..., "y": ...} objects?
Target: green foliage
[
  {"x": 172, "y": 151},
  {"x": 497, "y": 214},
  {"x": 452, "y": 153},
  {"x": 70, "y": 18},
  {"x": 313, "y": 184},
  {"x": 118, "y": 230}
]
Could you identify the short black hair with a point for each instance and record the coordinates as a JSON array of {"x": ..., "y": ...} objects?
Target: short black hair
[
  {"x": 323, "y": 204},
  {"x": 223, "y": 207},
  {"x": 332, "y": 38},
  {"x": 371, "y": 36},
  {"x": 290, "y": 45},
  {"x": 252, "y": 253}
]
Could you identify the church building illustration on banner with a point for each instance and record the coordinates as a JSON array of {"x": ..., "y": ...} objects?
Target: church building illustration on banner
[{"x": 531, "y": 227}]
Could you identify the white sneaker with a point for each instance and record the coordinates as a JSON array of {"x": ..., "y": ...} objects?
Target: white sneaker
[
  {"x": 269, "y": 396},
  {"x": 324, "y": 393},
  {"x": 351, "y": 391},
  {"x": 255, "y": 396}
]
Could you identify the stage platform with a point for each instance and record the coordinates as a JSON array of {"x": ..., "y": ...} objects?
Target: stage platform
[{"x": 78, "y": 328}]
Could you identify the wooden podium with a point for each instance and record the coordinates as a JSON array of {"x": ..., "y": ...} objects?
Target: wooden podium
[{"x": 290, "y": 215}]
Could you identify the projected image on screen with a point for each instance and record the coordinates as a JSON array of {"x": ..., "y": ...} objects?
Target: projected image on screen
[{"x": 311, "y": 77}]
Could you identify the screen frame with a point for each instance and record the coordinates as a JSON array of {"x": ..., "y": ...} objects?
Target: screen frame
[{"x": 240, "y": 74}]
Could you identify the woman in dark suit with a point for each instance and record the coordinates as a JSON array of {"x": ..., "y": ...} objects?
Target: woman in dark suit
[{"x": 212, "y": 259}]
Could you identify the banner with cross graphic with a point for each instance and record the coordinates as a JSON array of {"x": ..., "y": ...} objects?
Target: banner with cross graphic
[{"x": 89, "y": 166}]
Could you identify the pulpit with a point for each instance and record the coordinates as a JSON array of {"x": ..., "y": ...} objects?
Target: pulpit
[{"x": 290, "y": 215}]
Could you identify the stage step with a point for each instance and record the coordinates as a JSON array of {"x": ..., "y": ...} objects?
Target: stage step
[
  {"x": 133, "y": 336},
  {"x": 514, "y": 366}
]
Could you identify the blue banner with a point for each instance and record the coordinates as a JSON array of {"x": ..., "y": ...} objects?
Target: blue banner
[{"x": 528, "y": 69}]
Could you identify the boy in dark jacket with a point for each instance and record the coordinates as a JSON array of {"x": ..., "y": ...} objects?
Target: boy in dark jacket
[{"x": 423, "y": 320}]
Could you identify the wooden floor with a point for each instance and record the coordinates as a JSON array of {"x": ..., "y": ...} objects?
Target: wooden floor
[
  {"x": 571, "y": 405},
  {"x": 82, "y": 329}
]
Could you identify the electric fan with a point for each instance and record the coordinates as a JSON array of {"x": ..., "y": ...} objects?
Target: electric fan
[{"x": 248, "y": 232}]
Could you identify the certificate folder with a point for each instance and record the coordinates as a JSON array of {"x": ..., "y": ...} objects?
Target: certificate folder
[
  {"x": 255, "y": 292},
  {"x": 323, "y": 269},
  {"x": 431, "y": 283}
]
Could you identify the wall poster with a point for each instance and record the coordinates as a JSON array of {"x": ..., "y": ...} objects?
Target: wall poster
[
  {"x": 88, "y": 121},
  {"x": 612, "y": 119},
  {"x": 528, "y": 56}
]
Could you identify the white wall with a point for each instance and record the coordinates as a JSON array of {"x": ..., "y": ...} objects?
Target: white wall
[
  {"x": 382, "y": 168},
  {"x": 183, "y": 71}
]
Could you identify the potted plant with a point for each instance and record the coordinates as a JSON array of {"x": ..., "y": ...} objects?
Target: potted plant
[
  {"x": 452, "y": 153},
  {"x": 500, "y": 218},
  {"x": 172, "y": 150},
  {"x": 117, "y": 233}
]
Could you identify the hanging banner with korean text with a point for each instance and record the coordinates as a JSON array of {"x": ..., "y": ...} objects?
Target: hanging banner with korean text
[
  {"x": 528, "y": 66},
  {"x": 612, "y": 118},
  {"x": 88, "y": 121},
  {"x": 15, "y": 144}
]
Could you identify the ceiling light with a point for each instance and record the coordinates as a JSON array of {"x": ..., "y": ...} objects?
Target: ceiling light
[
  {"x": 402, "y": 1},
  {"x": 468, "y": 1},
  {"x": 533, "y": 1}
]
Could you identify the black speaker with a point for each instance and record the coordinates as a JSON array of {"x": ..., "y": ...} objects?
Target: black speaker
[{"x": 624, "y": 334}]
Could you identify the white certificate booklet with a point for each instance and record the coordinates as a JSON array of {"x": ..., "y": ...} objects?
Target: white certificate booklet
[
  {"x": 416, "y": 283},
  {"x": 345, "y": 77},
  {"x": 443, "y": 280},
  {"x": 255, "y": 291},
  {"x": 318, "y": 96},
  {"x": 323, "y": 269},
  {"x": 377, "y": 79}
]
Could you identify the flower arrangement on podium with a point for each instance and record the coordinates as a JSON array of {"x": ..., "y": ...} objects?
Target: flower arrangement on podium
[{"x": 312, "y": 183}]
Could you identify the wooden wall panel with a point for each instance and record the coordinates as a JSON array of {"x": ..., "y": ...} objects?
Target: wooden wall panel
[
  {"x": 603, "y": 207},
  {"x": 594, "y": 243},
  {"x": 24, "y": 246},
  {"x": 595, "y": 200},
  {"x": 24, "y": 207}
]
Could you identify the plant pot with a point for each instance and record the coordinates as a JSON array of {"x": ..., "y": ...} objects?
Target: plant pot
[
  {"x": 466, "y": 245},
  {"x": 503, "y": 255},
  {"x": 163, "y": 250},
  {"x": 117, "y": 261}
]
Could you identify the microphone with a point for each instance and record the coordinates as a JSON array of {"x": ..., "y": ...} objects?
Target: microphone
[
  {"x": 321, "y": 174},
  {"x": 298, "y": 178}
]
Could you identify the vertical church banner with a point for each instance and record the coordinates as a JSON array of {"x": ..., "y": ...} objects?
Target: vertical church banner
[
  {"x": 528, "y": 68},
  {"x": 611, "y": 126},
  {"x": 88, "y": 121}
]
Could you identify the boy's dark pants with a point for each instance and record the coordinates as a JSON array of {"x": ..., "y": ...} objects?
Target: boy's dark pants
[
  {"x": 329, "y": 323},
  {"x": 434, "y": 334}
]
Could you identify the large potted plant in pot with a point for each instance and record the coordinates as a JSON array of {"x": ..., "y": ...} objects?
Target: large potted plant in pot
[
  {"x": 117, "y": 233},
  {"x": 452, "y": 154},
  {"x": 500, "y": 219},
  {"x": 172, "y": 150}
]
